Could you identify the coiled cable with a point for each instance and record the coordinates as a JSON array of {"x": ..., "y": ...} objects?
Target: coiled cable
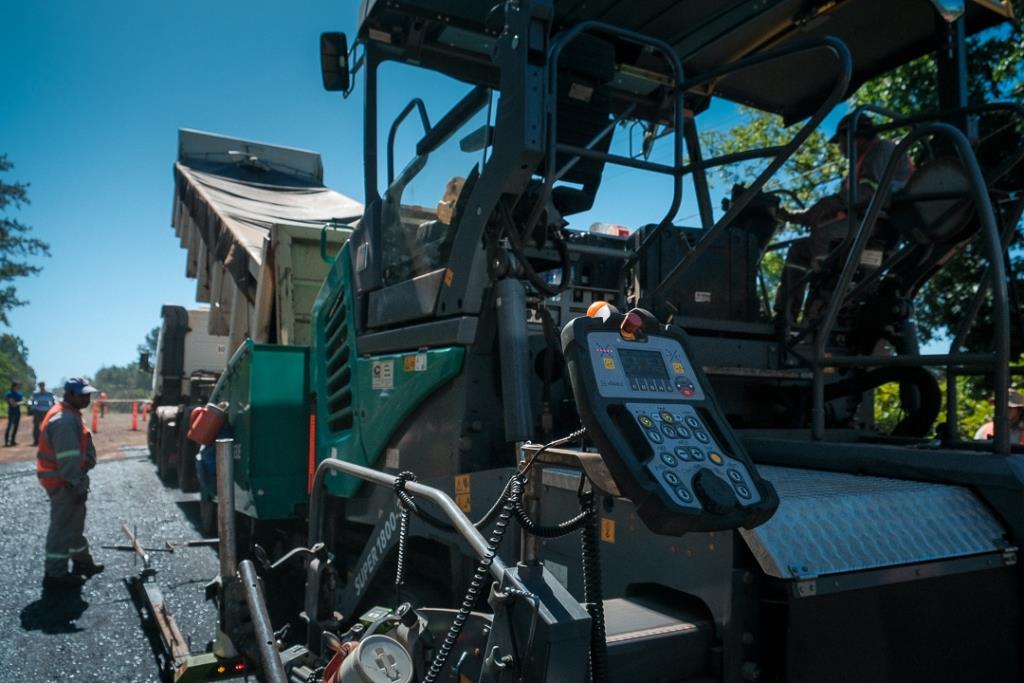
[
  {"x": 592, "y": 593},
  {"x": 476, "y": 584}
]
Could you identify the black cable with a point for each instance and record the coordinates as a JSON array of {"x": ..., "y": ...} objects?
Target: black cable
[
  {"x": 539, "y": 283},
  {"x": 406, "y": 500},
  {"x": 563, "y": 528},
  {"x": 592, "y": 593},
  {"x": 472, "y": 594},
  {"x": 551, "y": 444}
]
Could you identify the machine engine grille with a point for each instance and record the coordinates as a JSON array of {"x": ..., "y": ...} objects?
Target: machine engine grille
[{"x": 338, "y": 366}]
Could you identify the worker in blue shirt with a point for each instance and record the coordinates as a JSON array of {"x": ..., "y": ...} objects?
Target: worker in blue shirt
[
  {"x": 14, "y": 399},
  {"x": 39, "y": 405}
]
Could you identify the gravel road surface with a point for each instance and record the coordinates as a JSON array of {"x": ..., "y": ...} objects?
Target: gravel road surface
[{"x": 95, "y": 634}]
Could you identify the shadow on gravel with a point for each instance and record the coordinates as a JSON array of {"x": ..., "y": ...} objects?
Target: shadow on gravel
[
  {"x": 56, "y": 611},
  {"x": 190, "y": 510}
]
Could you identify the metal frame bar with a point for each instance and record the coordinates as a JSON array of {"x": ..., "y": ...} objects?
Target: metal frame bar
[
  {"x": 553, "y": 147},
  {"x": 417, "y": 104},
  {"x": 896, "y": 123},
  {"x": 986, "y": 216},
  {"x": 781, "y": 154},
  {"x": 263, "y": 632},
  {"x": 452, "y": 511}
]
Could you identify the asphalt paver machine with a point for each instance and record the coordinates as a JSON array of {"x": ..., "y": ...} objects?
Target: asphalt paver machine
[{"x": 711, "y": 501}]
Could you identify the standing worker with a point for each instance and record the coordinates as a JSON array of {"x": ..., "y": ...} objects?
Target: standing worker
[
  {"x": 14, "y": 399},
  {"x": 65, "y": 456},
  {"x": 39, "y": 405}
]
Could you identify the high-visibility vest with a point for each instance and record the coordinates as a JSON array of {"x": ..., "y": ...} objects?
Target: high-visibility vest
[{"x": 46, "y": 458}]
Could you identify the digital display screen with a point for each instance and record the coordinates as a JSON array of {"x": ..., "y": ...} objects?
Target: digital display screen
[{"x": 643, "y": 363}]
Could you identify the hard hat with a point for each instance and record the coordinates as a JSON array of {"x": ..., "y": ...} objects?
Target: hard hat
[{"x": 77, "y": 385}]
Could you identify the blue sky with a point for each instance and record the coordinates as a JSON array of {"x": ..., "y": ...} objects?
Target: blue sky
[{"x": 92, "y": 97}]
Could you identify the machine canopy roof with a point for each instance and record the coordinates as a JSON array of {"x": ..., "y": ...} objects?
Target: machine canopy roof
[
  {"x": 228, "y": 192},
  {"x": 455, "y": 37}
]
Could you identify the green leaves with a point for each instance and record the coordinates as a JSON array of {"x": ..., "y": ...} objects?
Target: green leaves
[{"x": 15, "y": 243}]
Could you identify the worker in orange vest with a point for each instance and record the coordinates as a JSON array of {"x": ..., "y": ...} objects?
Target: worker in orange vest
[
  {"x": 1015, "y": 415},
  {"x": 66, "y": 454}
]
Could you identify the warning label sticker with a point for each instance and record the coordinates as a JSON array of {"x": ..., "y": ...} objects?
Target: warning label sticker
[{"x": 383, "y": 374}]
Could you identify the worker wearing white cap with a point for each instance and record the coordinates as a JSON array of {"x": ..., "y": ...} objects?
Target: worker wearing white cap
[{"x": 1015, "y": 416}]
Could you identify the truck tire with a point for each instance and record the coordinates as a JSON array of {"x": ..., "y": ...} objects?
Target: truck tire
[
  {"x": 168, "y": 444},
  {"x": 188, "y": 481},
  {"x": 207, "y": 517}
]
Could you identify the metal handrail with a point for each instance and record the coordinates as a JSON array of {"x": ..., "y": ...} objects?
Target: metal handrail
[
  {"x": 554, "y": 55},
  {"x": 995, "y": 174},
  {"x": 986, "y": 216},
  {"x": 417, "y": 104},
  {"x": 783, "y": 152},
  {"x": 462, "y": 524}
]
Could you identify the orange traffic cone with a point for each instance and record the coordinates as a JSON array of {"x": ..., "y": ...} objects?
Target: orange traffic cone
[
  {"x": 95, "y": 418},
  {"x": 135, "y": 416}
]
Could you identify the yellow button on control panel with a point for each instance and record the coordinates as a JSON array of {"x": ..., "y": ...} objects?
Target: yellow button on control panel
[
  {"x": 666, "y": 416},
  {"x": 715, "y": 458}
]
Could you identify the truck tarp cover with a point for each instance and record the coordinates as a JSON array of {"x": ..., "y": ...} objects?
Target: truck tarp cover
[{"x": 228, "y": 192}]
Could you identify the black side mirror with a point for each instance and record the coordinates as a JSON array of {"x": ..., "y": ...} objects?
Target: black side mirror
[
  {"x": 334, "y": 62},
  {"x": 144, "y": 365}
]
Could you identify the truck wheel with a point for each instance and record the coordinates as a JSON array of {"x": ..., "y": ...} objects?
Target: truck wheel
[
  {"x": 167, "y": 445},
  {"x": 207, "y": 517},
  {"x": 188, "y": 482}
]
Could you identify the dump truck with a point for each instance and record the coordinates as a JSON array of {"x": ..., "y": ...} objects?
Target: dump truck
[
  {"x": 259, "y": 229},
  {"x": 694, "y": 487},
  {"x": 188, "y": 363}
]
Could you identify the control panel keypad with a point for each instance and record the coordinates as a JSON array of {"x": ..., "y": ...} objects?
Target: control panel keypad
[{"x": 682, "y": 445}]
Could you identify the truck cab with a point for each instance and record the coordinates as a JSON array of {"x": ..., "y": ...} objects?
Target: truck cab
[{"x": 189, "y": 361}]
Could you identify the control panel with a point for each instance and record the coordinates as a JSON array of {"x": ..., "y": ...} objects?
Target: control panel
[{"x": 651, "y": 414}]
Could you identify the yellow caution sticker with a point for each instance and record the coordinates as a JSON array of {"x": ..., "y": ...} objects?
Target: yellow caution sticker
[
  {"x": 462, "y": 492},
  {"x": 677, "y": 368},
  {"x": 609, "y": 363},
  {"x": 607, "y": 530},
  {"x": 409, "y": 363}
]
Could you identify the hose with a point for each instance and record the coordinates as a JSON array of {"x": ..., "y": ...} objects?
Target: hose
[
  {"x": 476, "y": 584},
  {"x": 563, "y": 528},
  {"x": 539, "y": 283}
]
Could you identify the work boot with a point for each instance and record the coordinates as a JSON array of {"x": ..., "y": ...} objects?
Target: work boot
[
  {"x": 86, "y": 569},
  {"x": 62, "y": 581}
]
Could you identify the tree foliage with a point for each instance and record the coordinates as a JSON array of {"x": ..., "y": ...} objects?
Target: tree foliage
[
  {"x": 16, "y": 244},
  {"x": 149, "y": 344},
  {"x": 14, "y": 365},
  {"x": 129, "y": 381}
]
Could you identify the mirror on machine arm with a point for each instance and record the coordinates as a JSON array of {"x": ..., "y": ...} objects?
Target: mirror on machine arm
[
  {"x": 950, "y": 10},
  {"x": 650, "y": 412},
  {"x": 334, "y": 67},
  {"x": 144, "y": 365}
]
